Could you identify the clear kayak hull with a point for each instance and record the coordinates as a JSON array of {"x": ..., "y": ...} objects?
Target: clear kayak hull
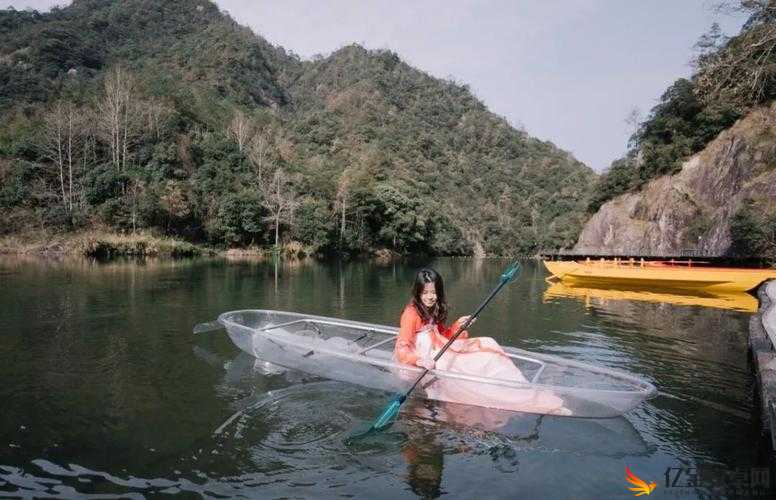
[{"x": 362, "y": 354}]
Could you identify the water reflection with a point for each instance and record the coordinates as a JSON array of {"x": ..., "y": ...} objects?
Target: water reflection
[
  {"x": 425, "y": 460},
  {"x": 590, "y": 296},
  {"x": 306, "y": 419},
  {"x": 108, "y": 392}
]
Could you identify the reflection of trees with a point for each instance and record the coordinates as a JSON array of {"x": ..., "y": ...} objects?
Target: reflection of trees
[
  {"x": 697, "y": 334},
  {"x": 94, "y": 372},
  {"x": 698, "y": 357},
  {"x": 425, "y": 463}
]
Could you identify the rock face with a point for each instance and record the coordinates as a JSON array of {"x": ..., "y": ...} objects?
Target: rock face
[{"x": 689, "y": 213}]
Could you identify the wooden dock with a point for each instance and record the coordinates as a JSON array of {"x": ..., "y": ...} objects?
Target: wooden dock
[{"x": 700, "y": 258}]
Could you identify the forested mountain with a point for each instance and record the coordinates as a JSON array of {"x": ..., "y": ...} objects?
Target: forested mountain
[
  {"x": 733, "y": 76},
  {"x": 166, "y": 115},
  {"x": 722, "y": 202},
  {"x": 700, "y": 173}
]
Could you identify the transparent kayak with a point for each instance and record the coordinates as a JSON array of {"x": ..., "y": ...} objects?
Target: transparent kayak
[{"x": 362, "y": 354}]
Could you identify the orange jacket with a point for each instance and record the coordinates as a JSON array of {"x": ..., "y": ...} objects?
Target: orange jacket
[{"x": 410, "y": 324}]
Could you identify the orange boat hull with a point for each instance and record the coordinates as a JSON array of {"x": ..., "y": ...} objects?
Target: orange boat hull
[{"x": 659, "y": 275}]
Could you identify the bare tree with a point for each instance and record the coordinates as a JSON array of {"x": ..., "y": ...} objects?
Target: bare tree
[
  {"x": 343, "y": 190},
  {"x": 240, "y": 130},
  {"x": 259, "y": 149},
  {"x": 61, "y": 140},
  {"x": 742, "y": 69},
  {"x": 634, "y": 118},
  {"x": 155, "y": 113},
  {"x": 280, "y": 199},
  {"x": 504, "y": 209},
  {"x": 117, "y": 115},
  {"x": 358, "y": 176},
  {"x": 136, "y": 189}
]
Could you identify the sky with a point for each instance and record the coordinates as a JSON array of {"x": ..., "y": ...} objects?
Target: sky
[{"x": 566, "y": 71}]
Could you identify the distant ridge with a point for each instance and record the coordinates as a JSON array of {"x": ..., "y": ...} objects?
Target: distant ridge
[{"x": 374, "y": 154}]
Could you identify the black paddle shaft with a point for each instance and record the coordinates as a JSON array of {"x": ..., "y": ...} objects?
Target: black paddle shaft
[{"x": 458, "y": 332}]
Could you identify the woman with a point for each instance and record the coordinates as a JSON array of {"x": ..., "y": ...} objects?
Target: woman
[{"x": 422, "y": 334}]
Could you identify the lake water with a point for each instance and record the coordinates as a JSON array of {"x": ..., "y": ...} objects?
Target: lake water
[{"x": 107, "y": 393}]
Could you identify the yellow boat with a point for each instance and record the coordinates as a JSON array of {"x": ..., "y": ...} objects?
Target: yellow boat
[
  {"x": 661, "y": 274},
  {"x": 736, "y": 301}
]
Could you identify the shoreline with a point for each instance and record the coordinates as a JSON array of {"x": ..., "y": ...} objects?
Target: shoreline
[
  {"x": 109, "y": 244},
  {"x": 101, "y": 244}
]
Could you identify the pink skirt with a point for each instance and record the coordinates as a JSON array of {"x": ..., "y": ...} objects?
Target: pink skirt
[{"x": 482, "y": 357}]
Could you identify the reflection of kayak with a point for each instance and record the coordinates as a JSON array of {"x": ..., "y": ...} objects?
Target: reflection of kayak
[
  {"x": 737, "y": 301},
  {"x": 362, "y": 353},
  {"x": 613, "y": 437},
  {"x": 659, "y": 274}
]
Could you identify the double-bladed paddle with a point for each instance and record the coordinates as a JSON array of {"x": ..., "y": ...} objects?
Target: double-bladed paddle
[{"x": 390, "y": 412}]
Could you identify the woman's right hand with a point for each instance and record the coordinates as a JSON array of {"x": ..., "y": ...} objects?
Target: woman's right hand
[
  {"x": 427, "y": 363},
  {"x": 464, "y": 319}
]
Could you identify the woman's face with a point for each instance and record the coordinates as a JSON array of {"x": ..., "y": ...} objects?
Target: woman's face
[{"x": 428, "y": 296}]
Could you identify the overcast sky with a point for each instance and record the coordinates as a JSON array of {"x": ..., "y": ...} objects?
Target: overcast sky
[{"x": 568, "y": 71}]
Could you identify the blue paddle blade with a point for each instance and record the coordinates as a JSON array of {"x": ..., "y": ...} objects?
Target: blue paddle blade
[
  {"x": 384, "y": 421},
  {"x": 510, "y": 273},
  {"x": 389, "y": 414}
]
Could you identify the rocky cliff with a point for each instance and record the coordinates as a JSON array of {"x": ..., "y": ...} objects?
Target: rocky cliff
[{"x": 690, "y": 213}]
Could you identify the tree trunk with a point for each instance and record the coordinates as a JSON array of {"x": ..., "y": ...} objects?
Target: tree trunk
[
  {"x": 61, "y": 164},
  {"x": 70, "y": 160},
  {"x": 277, "y": 229},
  {"x": 277, "y": 217},
  {"x": 124, "y": 141},
  {"x": 342, "y": 225}
]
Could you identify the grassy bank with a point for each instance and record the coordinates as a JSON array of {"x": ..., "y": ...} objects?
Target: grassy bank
[
  {"x": 99, "y": 244},
  {"x": 107, "y": 244}
]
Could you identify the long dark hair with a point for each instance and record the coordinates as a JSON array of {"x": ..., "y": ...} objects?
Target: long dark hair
[{"x": 438, "y": 313}]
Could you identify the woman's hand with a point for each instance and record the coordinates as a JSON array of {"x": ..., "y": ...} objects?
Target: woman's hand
[
  {"x": 427, "y": 363},
  {"x": 464, "y": 319}
]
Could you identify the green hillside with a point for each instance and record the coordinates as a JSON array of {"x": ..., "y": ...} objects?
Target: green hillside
[
  {"x": 733, "y": 76},
  {"x": 167, "y": 116}
]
